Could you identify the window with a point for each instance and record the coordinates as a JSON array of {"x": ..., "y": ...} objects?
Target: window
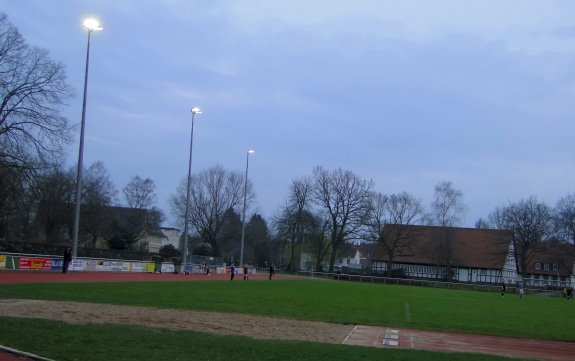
[
  {"x": 538, "y": 265},
  {"x": 555, "y": 266},
  {"x": 547, "y": 266},
  {"x": 483, "y": 272}
]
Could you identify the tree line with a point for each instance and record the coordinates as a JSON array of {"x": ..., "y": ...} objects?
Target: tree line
[{"x": 41, "y": 207}]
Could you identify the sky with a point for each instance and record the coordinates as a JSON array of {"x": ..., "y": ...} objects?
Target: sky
[{"x": 404, "y": 93}]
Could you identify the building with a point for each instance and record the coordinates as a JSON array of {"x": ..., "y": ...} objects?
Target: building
[
  {"x": 553, "y": 265},
  {"x": 350, "y": 259},
  {"x": 151, "y": 241},
  {"x": 451, "y": 254},
  {"x": 173, "y": 236}
]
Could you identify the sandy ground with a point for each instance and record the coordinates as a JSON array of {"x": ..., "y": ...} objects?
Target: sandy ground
[{"x": 209, "y": 322}]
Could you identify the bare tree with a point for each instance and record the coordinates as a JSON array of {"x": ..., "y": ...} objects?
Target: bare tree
[
  {"x": 447, "y": 209},
  {"x": 391, "y": 224},
  {"x": 17, "y": 203},
  {"x": 212, "y": 193},
  {"x": 564, "y": 217},
  {"x": 344, "y": 199},
  {"x": 54, "y": 191},
  {"x": 155, "y": 218},
  {"x": 320, "y": 241},
  {"x": 98, "y": 192},
  {"x": 531, "y": 223},
  {"x": 295, "y": 219},
  {"x": 33, "y": 89},
  {"x": 482, "y": 223},
  {"x": 140, "y": 193}
]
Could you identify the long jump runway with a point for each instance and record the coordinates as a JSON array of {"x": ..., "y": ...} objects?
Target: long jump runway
[{"x": 458, "y": 342}]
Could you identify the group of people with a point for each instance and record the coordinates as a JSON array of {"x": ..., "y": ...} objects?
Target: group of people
[
  {"x": 246, "y": 271},
  {"x": 520, "y": 287}
]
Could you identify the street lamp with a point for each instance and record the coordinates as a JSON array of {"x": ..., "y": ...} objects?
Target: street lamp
[
  {"x": 251, "y": 151},
  {"x": 92, "y": 25},
  {"x": 195, "y": 110}
]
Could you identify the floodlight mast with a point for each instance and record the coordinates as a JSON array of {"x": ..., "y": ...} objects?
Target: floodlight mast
[
  {"x": 92, "y": 25},
  {"x": 195, "y": 110},
  {"x": 250, "y": 151}
]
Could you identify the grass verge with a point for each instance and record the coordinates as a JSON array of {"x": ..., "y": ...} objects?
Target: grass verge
[{"x": 63, "y": 342}]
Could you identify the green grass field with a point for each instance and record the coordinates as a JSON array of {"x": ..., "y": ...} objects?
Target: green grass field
[
  {"x": 64, "y": 342},
  {"x": 331, "y": 301}
]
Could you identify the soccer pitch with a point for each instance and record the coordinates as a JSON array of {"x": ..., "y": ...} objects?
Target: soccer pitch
[{"x": 329, "y": 301}]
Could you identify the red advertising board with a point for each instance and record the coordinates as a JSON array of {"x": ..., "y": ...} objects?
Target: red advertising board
[{"x": 44, "y": 264}]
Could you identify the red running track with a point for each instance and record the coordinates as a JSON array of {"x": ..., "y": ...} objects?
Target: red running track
[
  {"x": 15, "y": 277},
  {"x": 460, "y": 342}
]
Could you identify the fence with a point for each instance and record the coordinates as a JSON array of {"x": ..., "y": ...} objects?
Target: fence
[
  {"x": 426, "y": 283},
  {"x": 42, "y": 262}
]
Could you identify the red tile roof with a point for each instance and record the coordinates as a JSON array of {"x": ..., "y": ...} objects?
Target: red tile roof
[
  {"x": 470, "y": 247},
  {"x": 553, "y": 253}
]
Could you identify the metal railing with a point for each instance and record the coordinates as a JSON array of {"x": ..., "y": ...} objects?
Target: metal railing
[{"x": 425, "y": 283}]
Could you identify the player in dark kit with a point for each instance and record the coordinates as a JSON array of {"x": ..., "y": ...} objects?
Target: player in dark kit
[{"x": 67, "y": 259}]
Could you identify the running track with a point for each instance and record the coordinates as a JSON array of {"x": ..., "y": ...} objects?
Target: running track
[{"x": 14, "y": 277}]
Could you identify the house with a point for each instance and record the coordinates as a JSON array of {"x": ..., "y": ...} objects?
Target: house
[
  {"x": 173, "y": 236},
  {"x": 151, "y": 240},
  {"x": 447, "y": 253},
  {"x": 553, "y": 265},
  {"x": 350, "y": 256}
]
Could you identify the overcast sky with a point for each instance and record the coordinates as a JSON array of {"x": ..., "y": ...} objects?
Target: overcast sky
[{"x": 405, "y": 93}]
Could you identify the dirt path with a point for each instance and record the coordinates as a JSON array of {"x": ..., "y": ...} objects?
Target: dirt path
[{"x": 210, "y": 322}]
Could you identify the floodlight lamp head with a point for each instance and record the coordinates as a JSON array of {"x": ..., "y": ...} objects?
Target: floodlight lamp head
[
  {"x": 251, "y": 151},
  {"x": 196, "y": 110},
  {"x": 92, "y": 24}
]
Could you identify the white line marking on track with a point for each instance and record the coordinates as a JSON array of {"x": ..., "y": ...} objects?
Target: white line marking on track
[
  {"x": 345, "y": 340},
  {"x": 391, "y": 337}
]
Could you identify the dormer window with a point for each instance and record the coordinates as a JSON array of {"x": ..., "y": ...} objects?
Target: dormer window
[{"x": 538, "y": 265}]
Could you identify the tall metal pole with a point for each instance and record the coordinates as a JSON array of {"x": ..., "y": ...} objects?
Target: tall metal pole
[
  {"x": 186, "y": 217},
  {"x": 76, "y": 224},
  {"x": 244, "y": 210}
]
